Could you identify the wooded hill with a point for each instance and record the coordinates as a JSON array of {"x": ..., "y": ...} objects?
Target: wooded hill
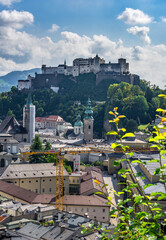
[{"x": 138, "y": 103}]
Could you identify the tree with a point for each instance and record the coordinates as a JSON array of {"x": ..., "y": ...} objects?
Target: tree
[
  {"x": 131, "y": 126},
  {"x": 37, "y": 146},
  {"x": 48, "y": 146}
]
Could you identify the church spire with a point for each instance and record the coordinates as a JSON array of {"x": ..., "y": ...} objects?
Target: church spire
[{"x": 88, "y": 111}]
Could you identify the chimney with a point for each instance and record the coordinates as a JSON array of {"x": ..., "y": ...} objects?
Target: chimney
[
  {"x": 62, "y": 228},
  {"x": 65, "y": 219}
]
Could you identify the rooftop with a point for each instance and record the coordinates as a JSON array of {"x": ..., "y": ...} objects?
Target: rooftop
[
  {"x": 84, "y": 200},
  {"x": 15, "y": 171},
  {"x": 11, "y": 189}
]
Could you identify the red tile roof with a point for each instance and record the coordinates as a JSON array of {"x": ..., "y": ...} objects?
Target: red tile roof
[
  {"x": 18, "y": 192},
  {"x": 84, "y": 200}
]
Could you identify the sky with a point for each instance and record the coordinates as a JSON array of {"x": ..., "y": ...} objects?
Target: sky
[{"x": 36, "y": 32}]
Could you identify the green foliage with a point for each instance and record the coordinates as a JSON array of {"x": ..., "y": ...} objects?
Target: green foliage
[
  {"x": 36, "y": 144},
  {"x": 48, "y": 146},
  {"x": 148, "y": 222}
]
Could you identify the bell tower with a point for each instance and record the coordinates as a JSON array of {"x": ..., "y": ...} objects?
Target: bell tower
[
  {"x": 29, "y": 118},
  {"x": 88, "y": 123}
]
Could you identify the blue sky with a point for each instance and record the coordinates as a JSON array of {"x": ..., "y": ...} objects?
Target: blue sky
[{"x": 40, "y": 31}]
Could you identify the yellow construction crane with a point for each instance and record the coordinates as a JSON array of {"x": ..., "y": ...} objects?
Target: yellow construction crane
[{"x": 59, "y": 163}]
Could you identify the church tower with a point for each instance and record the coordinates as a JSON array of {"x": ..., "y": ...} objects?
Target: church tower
[
  {"x": 88, "y": 123},
  {"x": 78, "y": 126},
  {"x": 29, "y": 118}
]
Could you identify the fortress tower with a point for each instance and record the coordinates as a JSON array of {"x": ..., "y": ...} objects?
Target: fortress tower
[
  {"x": 29, "y": 118},
  {"x": 88, "y": 123}
]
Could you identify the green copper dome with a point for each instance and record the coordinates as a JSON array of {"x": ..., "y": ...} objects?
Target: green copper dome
[
  {"x": 78, "y": 123},
  {"x": 88, "y": 111}
]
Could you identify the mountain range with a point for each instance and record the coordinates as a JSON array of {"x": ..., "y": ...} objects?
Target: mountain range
[{"x": 11, "y": 79}]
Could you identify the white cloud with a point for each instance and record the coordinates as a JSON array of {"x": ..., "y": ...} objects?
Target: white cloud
[
  {"x": 20, "y": 50},
  {"x": 8, "y": 2},
  {"x": 15, "y": 19},
  {"x": 163, "y": 19},
  {"x": 54, "y": 28},
  {"x": 141, "y": 32},
  {"x": 135, "y": 16}
]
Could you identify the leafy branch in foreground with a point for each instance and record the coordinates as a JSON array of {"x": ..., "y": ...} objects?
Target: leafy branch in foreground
[{"x": 139, "y": 214}]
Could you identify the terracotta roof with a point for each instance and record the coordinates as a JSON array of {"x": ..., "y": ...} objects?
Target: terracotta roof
[
  {"x": 84, "y": 200},
  {"x": 17, "y": 192},
  {"x": 44, "y": 198},
  {"x": 2, "y": 218},
  {"x": 88, "y": 169},
  {"x": 40, "y": 119},
  {"x": 90, "y": 185},
  {"x": 93, "y": 175}
]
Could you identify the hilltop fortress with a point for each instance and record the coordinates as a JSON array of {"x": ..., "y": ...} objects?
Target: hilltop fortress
[{"x": 51, "y": 76}]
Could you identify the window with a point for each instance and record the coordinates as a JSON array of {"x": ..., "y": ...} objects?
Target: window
[
  {"x": 22, "y": 181},
  {"x": 103, "y": 210},
  {"x": 43, "y": 180},
  {"x": 93, "y": 210},
  {"x": 36, "y": 180},
  {"x": 89, "y": 127},
  {"x": 50, "y": 180},
  {"x": 50, "y": 189},
  {"x": 78, "y": 180},
  {"x": 87, "y": 209},
  {"x": 36, "y": 190},
  {"x": 75, "y": 209},
  {"x": 43, "y": 189},
  {"x": 74, "y": 180},
  {"x": 103, "y": 217},
  {"x": 82, "y": 209},
  {"x": 29, "y": 181}
]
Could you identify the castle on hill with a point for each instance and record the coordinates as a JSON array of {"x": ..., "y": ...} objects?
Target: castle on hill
[
  {"x": 51, "y": 76},
  {"x": 87, "y": 65}
]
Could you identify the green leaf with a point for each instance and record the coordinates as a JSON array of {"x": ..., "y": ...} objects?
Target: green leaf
[
  {"x": 154, "y": 160},
  {"x": 160, "y": 110},
  {"x": 116, "y": 163},
  {"x": 105, "y": 185},
  {"x": 128, "y": 135},
  {"x": 130, "y": 154},
  {"x": 156, "y": 209},
  {"x": 162, "y": 95},
  {"x": 122, "y": 170},
  {"x": 98, "y": 193},
  {"x": 112, "y": 133},
  {"x": 157, "y": 171},
  {"x": 109, "y": 198},
  {"x": 148, "y": 185},
  {"x": 122, "y": 129},
  {"x": 114, "y": 145},
  {"x": 136, "y": 161}
]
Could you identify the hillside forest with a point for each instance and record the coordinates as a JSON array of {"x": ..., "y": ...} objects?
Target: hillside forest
[{"x": 137, "y": 103}]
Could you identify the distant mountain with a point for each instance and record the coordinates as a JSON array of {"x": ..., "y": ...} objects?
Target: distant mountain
[{"x": 11, "y": 79}]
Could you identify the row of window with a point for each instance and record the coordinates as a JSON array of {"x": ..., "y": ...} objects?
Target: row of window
[
  {"x": 36, "y": 181},
  {"x": 43, "y": 190},
  {"x": 87, "y": 210},
  {"x": 75, "y": 181}
]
